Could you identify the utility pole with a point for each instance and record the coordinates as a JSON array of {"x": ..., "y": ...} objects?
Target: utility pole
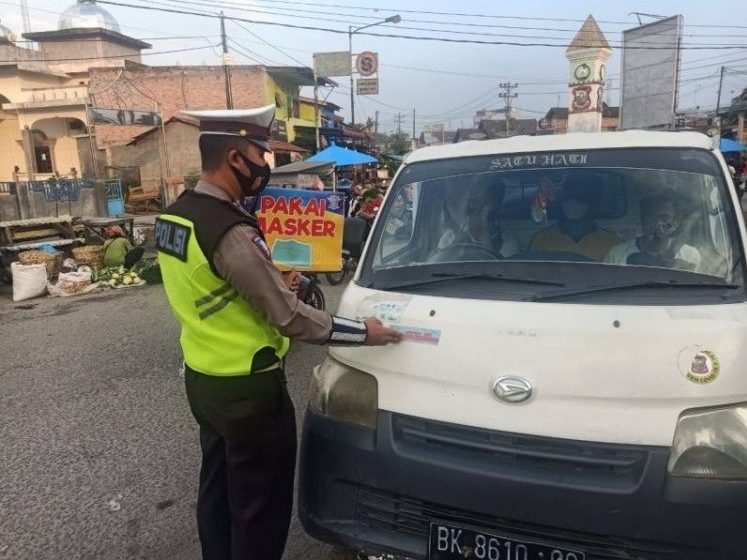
[
  {"x": 720, "y": 86},
  {"x": 226, "y": 61},
  {"x": 506, "y": 94},
  {"x": 376, "y": 125},
  {"x": 413, "y": 142},
  {"x": 399, "y": 119},
  {"x": 352, "y": 81},
  {"x": 25, "y": 16},
  {"x": 718, "y": 100}
]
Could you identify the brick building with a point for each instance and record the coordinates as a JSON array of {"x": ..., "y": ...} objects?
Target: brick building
[
  {"x": 88, "y": 63},
  {"x": 173, "y": 152},
  {"x": 172, "y": 89}
]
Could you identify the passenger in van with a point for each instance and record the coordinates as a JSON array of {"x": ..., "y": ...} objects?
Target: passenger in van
[
  {"x": 577, "y": 231},
  {"x": 399, "y": 222},
  {"x": 661, "y": 219},
  {"x": 481, "y": 223}
]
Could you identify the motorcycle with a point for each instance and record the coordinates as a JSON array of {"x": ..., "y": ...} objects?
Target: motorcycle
[
  {"x": 349, "y": 264},
  {"x": 355, "y": 232},
  {"x": 310, "y": 291}
]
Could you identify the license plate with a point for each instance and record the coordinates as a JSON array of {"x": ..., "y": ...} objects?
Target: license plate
[{"x": 457, "y": 543}]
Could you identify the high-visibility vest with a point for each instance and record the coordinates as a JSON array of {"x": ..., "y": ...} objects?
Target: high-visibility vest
[{"x": 221, "y": 333}]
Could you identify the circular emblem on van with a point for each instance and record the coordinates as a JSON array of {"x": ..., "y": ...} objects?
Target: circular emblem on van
[
  {"x": 699, "y": 365},
  {"x": 512, "y": 389}
]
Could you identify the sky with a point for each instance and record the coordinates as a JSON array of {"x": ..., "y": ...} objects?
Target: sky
[{"x": 443, "y": 82}]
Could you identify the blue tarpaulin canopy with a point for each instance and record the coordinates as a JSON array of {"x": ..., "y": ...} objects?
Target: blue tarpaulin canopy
[
  {"x": 728, "y": 145},
  {"x": 342, "y": 156}
]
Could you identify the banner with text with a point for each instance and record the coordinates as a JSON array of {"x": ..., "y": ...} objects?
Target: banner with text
[{"x": 303, "y": 228}]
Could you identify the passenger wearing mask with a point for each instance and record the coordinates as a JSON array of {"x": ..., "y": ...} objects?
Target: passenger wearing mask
[
  {"x": 482, "y": 224},
  {"x": 658, "y": 246},
  {"x": 576, "y": 231}
]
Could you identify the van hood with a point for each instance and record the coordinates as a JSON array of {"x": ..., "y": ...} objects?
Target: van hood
[{"x": 606, "y": 373}]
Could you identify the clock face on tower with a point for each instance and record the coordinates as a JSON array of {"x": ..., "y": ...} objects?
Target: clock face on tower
[
  {"x": 582, "y": 72},
  {"x": 602, "y": 72}
]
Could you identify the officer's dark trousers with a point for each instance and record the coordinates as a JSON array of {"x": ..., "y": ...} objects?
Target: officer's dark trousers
[{"x": 248, "y": 440}]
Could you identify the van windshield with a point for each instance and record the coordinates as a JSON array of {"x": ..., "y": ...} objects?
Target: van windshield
[{"x": 566, "y": 225}]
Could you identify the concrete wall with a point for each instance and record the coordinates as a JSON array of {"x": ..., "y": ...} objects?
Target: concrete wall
[
  {"x": 148, "y": 154},
  {"x": 11, "y": 148},
  {"x": 14, "y": 85},
  {"x": 83, "y": 146},
  {"x": 87, "y": 50},
  {"x": 8, "y": 207},
  {"x": 26, "y": 57},
  {"x": 34, "y": 205}
]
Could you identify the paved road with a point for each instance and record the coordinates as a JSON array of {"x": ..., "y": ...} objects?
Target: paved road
[{"x": 99, "y": 454}]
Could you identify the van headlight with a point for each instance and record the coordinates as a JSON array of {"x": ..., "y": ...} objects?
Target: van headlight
[
  {"x": 711, "y": 443},
  {"x": 345, "y": 394}
]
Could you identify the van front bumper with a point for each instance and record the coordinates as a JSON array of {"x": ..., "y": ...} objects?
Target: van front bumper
[{"x": 380, "y": 490}]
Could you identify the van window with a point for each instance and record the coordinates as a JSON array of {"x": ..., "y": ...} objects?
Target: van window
[{"x": 585, "y": 219}]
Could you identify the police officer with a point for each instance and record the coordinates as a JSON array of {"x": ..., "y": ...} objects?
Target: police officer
[{"x": 237, "y": 313}]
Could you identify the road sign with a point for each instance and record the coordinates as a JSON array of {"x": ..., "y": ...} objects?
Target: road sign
[
  {"x": 332, "y": 64},
  {"x": 367, "y": 64},
  {"x": 368, "y": 86}
]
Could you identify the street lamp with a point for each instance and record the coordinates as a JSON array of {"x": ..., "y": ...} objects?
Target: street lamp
[{"x": 351, "y": 31}]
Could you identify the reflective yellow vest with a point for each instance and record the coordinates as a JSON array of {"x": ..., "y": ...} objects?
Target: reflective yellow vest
[{"x": 221, "y": 334}]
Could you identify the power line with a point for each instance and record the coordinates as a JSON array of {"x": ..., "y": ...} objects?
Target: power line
[
  {"x": 150, "y": 53},
  {"x": 58, "y": 13},
  {"x": 268, "y": 43},
  {"x": 474, "y": 15},
  {"x": 393, "y": 35},
  {"x": 84, "y": 40},
  {"x": 200, "y": 4},
  {"x": 252, "y": 55}
]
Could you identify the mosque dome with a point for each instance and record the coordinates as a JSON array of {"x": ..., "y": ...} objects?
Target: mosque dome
[
  {"x": 86, "y": 13},
  {"x": 6, "y": 34}
]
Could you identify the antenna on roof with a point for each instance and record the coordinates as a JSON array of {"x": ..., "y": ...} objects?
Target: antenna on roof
[{"x": 25, "y": 16}]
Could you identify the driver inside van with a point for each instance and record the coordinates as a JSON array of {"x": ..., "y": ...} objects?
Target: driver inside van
[
  {"x": 577, "y": 231},
  {"x": 661, "y": 219},
  {"x": 481, "y": 225}
]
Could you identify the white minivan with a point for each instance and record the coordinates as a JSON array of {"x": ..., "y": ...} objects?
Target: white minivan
[{"x": 572, "y": 383}]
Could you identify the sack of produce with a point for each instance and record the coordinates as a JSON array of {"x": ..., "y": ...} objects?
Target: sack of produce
[
  {"x": 29, "y": 281},
  {"x": 72, "y": 284}
]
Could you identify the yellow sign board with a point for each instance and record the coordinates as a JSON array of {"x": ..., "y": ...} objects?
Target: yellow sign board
[{"x": 303, "y": 229}]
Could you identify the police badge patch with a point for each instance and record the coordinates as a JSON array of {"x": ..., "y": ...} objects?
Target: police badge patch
[{"x": 259, "y": 242}]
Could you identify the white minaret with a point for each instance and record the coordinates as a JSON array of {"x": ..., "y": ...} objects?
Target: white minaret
[{"x": 587, "y": 54}]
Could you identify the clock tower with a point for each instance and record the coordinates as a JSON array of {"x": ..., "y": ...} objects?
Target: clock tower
[{"x": 588, "y": 55}]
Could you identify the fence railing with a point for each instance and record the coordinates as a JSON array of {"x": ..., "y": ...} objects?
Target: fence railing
[
  {"x": 54, "y": 190},
  {"x": 7, "y": 187}
]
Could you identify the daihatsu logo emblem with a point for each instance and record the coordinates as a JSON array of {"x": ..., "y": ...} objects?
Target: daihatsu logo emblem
[{"x": 512, "y": 389}]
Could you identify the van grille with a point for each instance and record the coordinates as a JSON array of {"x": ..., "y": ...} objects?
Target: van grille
[
  {"x": 389, "y": 512},
  {"x": 611, "y": 468}
]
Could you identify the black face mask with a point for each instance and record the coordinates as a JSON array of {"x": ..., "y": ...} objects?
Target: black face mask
[{"x": 247, "y": 184}]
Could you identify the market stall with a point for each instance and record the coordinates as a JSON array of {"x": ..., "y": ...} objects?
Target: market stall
[
  {"x": 97, "y": 226},
  {"x": 342, "y": 157},
  {"x": 303, "y": 174}
]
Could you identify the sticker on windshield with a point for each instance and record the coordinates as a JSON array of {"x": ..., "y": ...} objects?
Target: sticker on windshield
[
  {"x": 388, "y": 310},
  {"x": 699, "y": 365},
  {"x": 417, "y": 334},
  {"x": 561, "y": 159}
]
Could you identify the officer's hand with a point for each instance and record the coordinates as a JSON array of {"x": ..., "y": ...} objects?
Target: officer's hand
[
  {"x": 380, "y": 335},
  {"x": 291, "y": 279}
]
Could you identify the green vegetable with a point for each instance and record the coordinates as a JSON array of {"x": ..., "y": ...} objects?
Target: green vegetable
[{"x": 151, "y": 274}]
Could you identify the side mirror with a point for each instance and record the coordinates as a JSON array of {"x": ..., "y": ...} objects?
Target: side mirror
[{"x": 354, "y": 235}]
